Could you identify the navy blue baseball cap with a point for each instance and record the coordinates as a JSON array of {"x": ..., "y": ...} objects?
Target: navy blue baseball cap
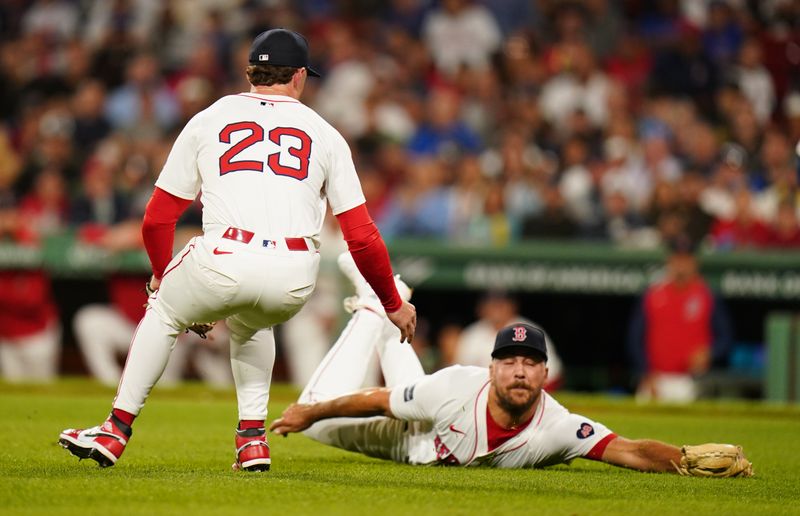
[
  {"x": 281, "y": 47},
  {"x": 520, "y": 339}
]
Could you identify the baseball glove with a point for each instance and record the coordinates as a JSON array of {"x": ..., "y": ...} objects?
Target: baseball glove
[
  {"x": 201, "y": 329},
  {"x": 714, "y": 460}
]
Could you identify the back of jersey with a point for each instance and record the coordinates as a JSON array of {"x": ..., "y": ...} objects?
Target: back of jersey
[{"x": 264, "y": 163}]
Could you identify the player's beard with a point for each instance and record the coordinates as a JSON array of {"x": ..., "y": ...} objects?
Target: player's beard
[{"x": 515, "y": 407}]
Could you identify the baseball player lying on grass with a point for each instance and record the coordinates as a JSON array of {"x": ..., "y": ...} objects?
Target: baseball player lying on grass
[{"x": 467, "y": 416}]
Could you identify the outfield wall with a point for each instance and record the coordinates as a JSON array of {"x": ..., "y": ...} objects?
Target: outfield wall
[
  {"x": 582, "y": 293},
  {"x": 557, "y": 267}
]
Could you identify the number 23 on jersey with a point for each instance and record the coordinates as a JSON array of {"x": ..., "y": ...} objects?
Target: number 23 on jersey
[{"x": 292, "y": 141}]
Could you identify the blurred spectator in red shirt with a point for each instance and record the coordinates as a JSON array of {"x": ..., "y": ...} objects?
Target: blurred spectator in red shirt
[
  {"x": 30, "y": 331},
  {"x": 744, "y": 230},
  {"x": 631, "y": 64},
  {"x": 678, "y": 330},
  {"x": 785, "y": 231}
]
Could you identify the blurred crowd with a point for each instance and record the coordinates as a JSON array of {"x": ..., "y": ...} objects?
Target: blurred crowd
[
  {"x": 474, "y": 122},
  {"x": 483, "y": 122}
]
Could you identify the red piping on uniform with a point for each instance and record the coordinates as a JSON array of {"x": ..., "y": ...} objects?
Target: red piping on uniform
[
  {"x": 158, "y": 227},
  {"x": 512, "y": 449},
  {"x": 475, "y": 448},
  {"x": 179, "y": 261},
  {"x": 542, "y": 414},
  {"x": 125, "y": 368}
]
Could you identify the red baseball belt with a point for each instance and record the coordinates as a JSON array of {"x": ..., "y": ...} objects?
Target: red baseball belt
[{"x": 245, "y": 237}]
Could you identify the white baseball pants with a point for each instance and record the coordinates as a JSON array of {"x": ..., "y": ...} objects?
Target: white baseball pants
[
  {"x": 253, "y": 286},
  {"x": 343, "y": 371}
]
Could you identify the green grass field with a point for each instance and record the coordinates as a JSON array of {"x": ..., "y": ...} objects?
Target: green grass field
[{"x": 179, "y": 461}]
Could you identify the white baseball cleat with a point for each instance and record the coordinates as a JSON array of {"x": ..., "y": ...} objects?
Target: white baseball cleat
[{"x": 365, "y": 297}]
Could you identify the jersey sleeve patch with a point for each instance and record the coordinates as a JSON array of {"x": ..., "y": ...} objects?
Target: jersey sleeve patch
[
  {"x": 420, "y": 398},
  {"x": 586, "y": 430},
  {"x": 575, "y": 435},
  {"x": 408, "y": 393}
]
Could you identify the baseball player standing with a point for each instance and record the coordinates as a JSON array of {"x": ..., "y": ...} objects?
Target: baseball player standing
[
  {"x": 465, "y": 415},
  {"x": 265, "y": 165}
]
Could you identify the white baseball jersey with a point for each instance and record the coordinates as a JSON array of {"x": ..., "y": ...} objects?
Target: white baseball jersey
[
  {"x": 454, "y": 402},
  {"x": 264, "y": 163}
]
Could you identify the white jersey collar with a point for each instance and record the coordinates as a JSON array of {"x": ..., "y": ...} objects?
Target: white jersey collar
[{"x": 270, "y": 97}]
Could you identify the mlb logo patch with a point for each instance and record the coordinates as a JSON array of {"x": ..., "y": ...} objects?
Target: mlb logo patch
[
  {"x": 270, "y": 244},
  {"x": 263, "y": 57}
]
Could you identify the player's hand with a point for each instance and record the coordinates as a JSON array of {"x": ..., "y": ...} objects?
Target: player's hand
[
  {"x": 154, "y": 283},
  {"x": 296, "y": 418},
  {"x": 406, "y": 320}
]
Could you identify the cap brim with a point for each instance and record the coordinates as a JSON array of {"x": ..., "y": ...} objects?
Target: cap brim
[
  {"x": 312, "y": 72},
  {"x": 517, "y": 350}
]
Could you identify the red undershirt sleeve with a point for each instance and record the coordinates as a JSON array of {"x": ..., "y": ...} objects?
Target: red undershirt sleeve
[
  {"x": 369, "y": 252},
  {"x": 158, "y": 228},
  {"x": 596, "y": 453}
]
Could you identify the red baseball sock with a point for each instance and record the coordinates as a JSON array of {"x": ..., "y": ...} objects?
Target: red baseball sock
[
  {"x": 125, "y": 417},
  {"x": 246, "y": 424}
]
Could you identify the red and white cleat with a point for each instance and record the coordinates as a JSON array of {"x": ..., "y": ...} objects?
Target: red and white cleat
[
  {"x": 103, "y": 444},
  {"x": 252, "y": 450}
]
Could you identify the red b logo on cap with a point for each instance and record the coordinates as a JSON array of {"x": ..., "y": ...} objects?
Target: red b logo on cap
[{"x": 520, "y": 334}]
